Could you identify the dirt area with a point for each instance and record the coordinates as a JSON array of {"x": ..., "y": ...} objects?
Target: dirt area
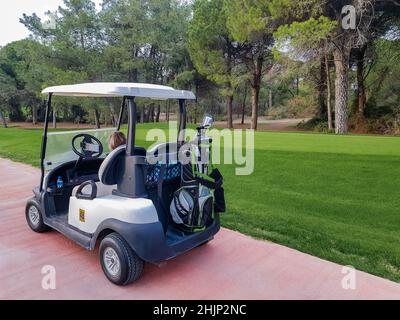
[{"x": 266, "y": 124}]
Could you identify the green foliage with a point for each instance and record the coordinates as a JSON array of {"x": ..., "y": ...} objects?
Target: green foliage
[
  {"x": 288, "y": 11},
  {"x": 305, "y": 36},
  {"x": 317, "y": 124},
  {"x": 137, "y": 41},
  {"x": 210, "y": 45},
  {"x": 247, "y": 20},
  {"x": 383, "y": 82}
]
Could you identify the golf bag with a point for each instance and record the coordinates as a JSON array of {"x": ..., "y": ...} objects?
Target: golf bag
[{"x": 192, "y": 205}]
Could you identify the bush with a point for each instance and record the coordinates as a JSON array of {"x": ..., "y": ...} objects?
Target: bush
[
  {"x": 388, "y": 124},
  {"x": 296, "y": 107},
  {"x": 316, "y": 124}
]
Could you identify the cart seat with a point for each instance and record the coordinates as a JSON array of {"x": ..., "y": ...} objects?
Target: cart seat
[
  {"x": 110, "y": 169},
  {"x": 108, "y": 173}
]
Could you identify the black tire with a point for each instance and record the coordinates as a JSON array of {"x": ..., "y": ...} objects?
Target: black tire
[
  {"x": 34, "y": 217},
  {"x": 130, "y": 264}
]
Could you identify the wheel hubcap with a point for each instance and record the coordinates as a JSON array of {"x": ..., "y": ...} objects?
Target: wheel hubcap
[
  {"x": 111, "y": 261},
  {"x": 34, "y": 215}
]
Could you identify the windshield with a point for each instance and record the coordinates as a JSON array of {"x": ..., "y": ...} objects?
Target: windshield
[{"x": 59, "y": 146}]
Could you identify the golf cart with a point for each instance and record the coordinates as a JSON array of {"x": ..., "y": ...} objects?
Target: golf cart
[{"x": 139, "y": 205}]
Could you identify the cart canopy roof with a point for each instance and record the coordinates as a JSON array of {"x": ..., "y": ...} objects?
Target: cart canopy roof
[{"x": 108, "y": 89}]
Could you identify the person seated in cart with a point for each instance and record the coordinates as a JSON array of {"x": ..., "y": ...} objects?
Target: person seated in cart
[{"x": 115, "y": 140}]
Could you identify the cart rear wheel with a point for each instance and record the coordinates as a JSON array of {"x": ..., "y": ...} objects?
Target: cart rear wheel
[
  {"x": 34, "y": 217},
  {"x": 119, "y": 262}
]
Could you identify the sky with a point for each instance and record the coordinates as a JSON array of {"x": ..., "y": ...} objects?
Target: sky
[{"x": 11, "y": 11}]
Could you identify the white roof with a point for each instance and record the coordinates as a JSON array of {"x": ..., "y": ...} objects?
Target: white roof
[{"x": 104, "y": 89}]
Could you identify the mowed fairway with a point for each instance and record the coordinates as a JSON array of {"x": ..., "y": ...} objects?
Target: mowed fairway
[{"x": 336, "y": 197}]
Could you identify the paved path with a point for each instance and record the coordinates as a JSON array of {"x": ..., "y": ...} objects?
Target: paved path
[{"x": 233, "y": 266}]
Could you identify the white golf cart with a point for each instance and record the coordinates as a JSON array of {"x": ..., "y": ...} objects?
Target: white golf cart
[{"x": 138, "y": 207}]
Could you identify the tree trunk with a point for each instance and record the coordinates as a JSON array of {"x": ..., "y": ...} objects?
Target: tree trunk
[
  {"x": 244, "y": 105},
  {"x": 97, "y": 118},
  {"x": 15, "y": 113},
  {"x": 34, "y": 114},
  {"x": 270, "y": 100},
  {"x": 146, "y": 114},
  {"x": 229, "y": 103},
  {"x": 3, "y": 119},
  {"x": 360, "y": 82},
  {"x": 341, "y": 95},
  {"x": 114, "y": 116},
  {"x": 255, "y": 92},
  {"x": 158, "y": 111},
  {"x": 328, "y": 95},
  {"x": 142, "y": 115},
  {"x": 322, "y": 88},
  {"x": 167, "y": 111},
  {"x": 151, "y": 112},
  {"x": 82, "y": 40},
  {"x": 54, "y": 119}
]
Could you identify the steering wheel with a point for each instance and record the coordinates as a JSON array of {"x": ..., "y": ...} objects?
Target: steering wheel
[{"x": 90, "y": 147}]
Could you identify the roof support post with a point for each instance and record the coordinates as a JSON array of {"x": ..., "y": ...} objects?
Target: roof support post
[
  {"x": 131, "y": 182},
  {"x": 182, "y": 122},
  {"x": 121, "y": 113},
  {"x": 44, "y": 139},
  {"x": 130, "y": 144}
]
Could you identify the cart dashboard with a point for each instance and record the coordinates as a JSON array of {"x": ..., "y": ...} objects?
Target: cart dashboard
[{"x": 73, "y": 176}]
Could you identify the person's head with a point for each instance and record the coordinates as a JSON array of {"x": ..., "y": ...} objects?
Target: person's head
[{"x": 116, "y": 139}]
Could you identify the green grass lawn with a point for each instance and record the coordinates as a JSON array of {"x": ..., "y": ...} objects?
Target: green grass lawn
[{"x": 335, "y": 197}]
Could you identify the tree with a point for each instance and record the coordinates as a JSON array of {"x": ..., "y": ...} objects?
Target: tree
[
  {"x": 22, "y": 69},
  {"x": 341, "y": 40},
  {"x": 250, "y": 23},
  {"x": 377, "y": 19},
  {"x": 212, "y": 50},
  {"x": 382, "y": 85},
  {"x": 145, "y": 42},
  {"x": 74, "y": 41},
  {"x": 7, "y": 92},
  {"x": 306, "y": 41}
]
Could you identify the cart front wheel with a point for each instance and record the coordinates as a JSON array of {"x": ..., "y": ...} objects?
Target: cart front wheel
[
  {"x": 34, "y": 217},
  {"x": 119, "y": 262}
]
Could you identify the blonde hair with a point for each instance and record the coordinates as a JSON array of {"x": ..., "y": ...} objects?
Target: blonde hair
[{"x": 116, "y": 139}]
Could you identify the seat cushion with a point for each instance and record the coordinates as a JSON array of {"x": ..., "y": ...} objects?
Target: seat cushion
[{"x": 112, "y": 166}]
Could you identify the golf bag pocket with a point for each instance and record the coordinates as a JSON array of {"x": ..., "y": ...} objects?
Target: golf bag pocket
[
  {"x": 205, "y": 210},
  {"x": 182, "y": 207},
  {"x": 216, "y": 185},
  {"x": 191, "y": 207},
  {"x": 219, "y": 204}
]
